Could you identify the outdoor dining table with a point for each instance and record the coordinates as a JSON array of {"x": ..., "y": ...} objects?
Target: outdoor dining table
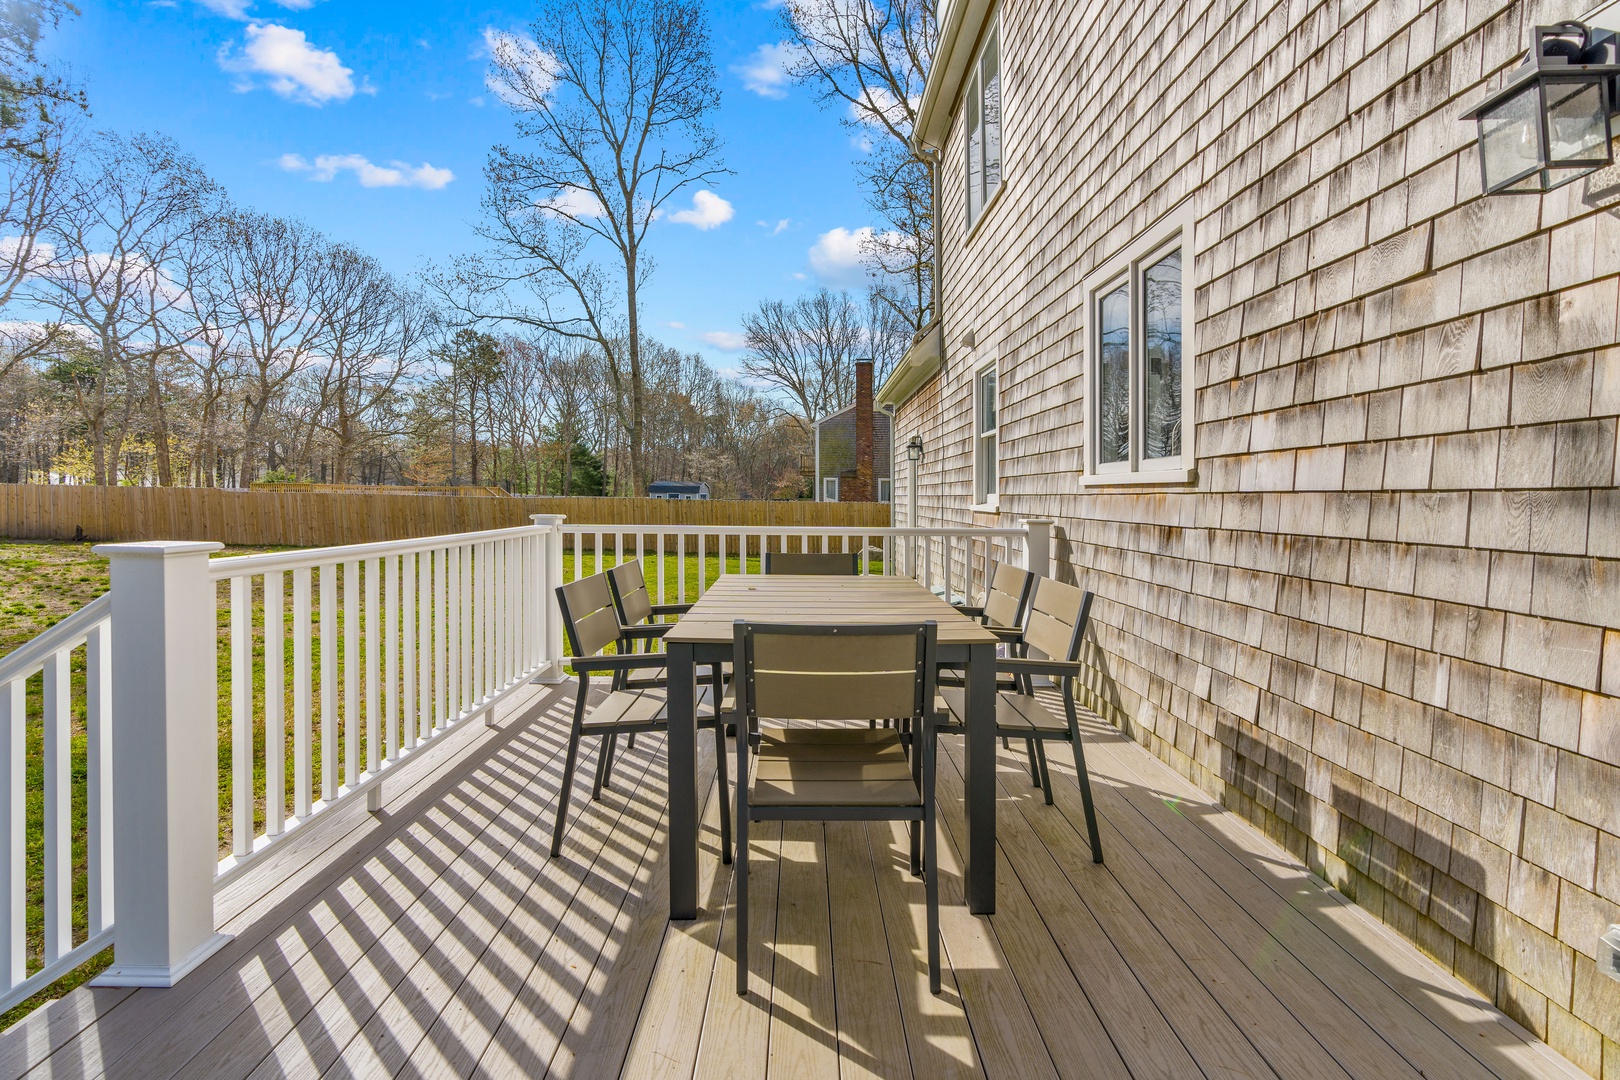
[{"x": 704, "y": 636}]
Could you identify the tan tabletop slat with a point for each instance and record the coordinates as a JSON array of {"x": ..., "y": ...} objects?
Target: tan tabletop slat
[{"x": 820, "y": 601}]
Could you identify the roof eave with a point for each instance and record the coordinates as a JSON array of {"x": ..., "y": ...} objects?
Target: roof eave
[
  {"x": 959, "y": 27},
  {"x": 921, "y": 361}
]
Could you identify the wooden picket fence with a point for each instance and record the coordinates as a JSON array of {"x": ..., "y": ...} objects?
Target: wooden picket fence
[{"x": 298, "y": 518}]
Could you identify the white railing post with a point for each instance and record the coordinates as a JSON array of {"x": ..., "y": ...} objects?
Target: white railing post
[
  {"x": 165, "y": 729},
  {"x": 546, "y": 578},
  {"x": 1038, "y": 546}
]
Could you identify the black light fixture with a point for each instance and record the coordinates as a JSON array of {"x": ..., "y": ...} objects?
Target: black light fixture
[
  {"x": 1548, "y": 123},
  {"x": 914, "y": 449}
]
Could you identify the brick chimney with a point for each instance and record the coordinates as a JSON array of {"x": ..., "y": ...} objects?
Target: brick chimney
[{"x": 864, "y": 489}]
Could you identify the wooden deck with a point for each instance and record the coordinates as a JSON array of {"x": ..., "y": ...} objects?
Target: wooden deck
[{"x": 436, "y": 939}]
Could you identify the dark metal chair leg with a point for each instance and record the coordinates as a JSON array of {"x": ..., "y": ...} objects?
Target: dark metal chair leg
[
  {"x": 1085, "y": 778},
  {"x": 604, "y": 764},
  {"x": 741, "y": 869},
  {"x": 1046, "y": 773},
  {"x": 725, "y": 792},
  {"x": 930, "y": 863},
  {"x": 569, "y": 763},
  {"x": 1034, "y": 767}
]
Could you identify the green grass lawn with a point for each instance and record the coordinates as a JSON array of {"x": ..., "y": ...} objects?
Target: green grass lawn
[{"x": 43, "y": 582}]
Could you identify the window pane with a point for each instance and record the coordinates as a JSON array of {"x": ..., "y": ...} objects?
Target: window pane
[
  {"x": 974, "y": 160},
  {"x": 1161, "y": 342},
  {"x": 987, "y": 401},
  {"x": 990, "y": 79},
  {"x": 1114, "y": 376},
  {"x": 987, "y": 467}
]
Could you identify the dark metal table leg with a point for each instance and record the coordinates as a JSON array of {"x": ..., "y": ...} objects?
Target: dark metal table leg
[
  {"x": 980, "y": 780},
  {"x": 683, "y": 814}
]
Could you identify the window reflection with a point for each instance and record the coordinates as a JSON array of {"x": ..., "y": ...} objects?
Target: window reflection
[
  {"x": 1161, "y": 368},
  {"x": 1114, "y": 377}
]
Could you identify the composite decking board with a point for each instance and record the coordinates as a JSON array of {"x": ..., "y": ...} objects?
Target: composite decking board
[
  {"x": 647, "y": 931},
  {"x": 871, "y": 1030},
  {"x": 461, "y": 1004},
  {"x": 804, "y": 1019},
  {"x": 395, "y": 901},
  {"x": 735, "y": 1040},
  {"x": 1372, "y": 983},
  {"x": 1134, "y": 1031},
  {"x": 1302, "y": 1019},
  {"x": 221, "y": 986},
  {"x": 938, "y": 1034},
  {"x": 603, "y": 960}
]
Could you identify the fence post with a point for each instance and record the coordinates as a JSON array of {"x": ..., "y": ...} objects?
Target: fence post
[
  {"x": 548, "y": 575},
  {"x": 165, "y": 761},
  {"x": 1038, "y": 546}
]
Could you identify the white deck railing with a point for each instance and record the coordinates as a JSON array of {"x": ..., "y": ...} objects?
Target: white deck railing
[
  {"x": 952, "y": 562},
  {"x": 51, "y": 656},
  {"x": 331, "y": 666}
]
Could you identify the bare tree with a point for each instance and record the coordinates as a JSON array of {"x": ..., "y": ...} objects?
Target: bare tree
[
  {"x": 870, "y": 58},
  {"x": 806, "y": 349},
  {"x": 33, "y": 99},
  {"x": 612, "y": 100}
]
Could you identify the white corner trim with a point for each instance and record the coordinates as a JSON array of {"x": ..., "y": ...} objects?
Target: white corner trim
[{"x": 158, "y": 975}]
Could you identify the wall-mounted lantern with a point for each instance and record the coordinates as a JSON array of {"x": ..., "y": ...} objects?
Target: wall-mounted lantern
[
  {"x": 1548, "y": 124},
  {"x": 914, "y": 449}
]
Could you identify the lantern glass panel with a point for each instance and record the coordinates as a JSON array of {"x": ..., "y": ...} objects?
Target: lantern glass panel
[
  {"x": 1510, "y": 138},
  {"x": 1577, "y": 123}
]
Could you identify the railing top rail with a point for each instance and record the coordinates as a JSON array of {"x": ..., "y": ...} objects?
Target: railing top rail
[
  {"x": 270, "y": 561},
  {"x": 31, "y": 654},
  {"x": 787, "y": 530}
]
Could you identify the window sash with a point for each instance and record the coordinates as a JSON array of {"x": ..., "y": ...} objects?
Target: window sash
[
  {"x": 982, "y": 122},
  {"x": 987, "y": 428},
  {"x": 1138, "y": 325}
]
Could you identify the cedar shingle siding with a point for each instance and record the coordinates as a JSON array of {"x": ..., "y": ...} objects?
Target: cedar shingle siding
[
  {"x": 837, "y": 446},
  {"x": 1383, "y": 623}
]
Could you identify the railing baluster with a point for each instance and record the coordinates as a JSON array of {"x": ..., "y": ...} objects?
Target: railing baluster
[
  {"x": 13, "y": 829},
  {"x": 703, "y": 566},
  {"x": 441, "y": 699},
  {"x": 663, "y": 597},
  {"x": 241, "y": 715},
  {"x": 98, "y": 775},
  {"x": 407, "y": 648},
  {"x": 464, "y": 626},
  {"x": 301, "y": 693},
  {"x": 353, "y": 632},
  {"x": 680, "y": 568},
  {"x": 275, "y": 697},
  {"x": 424, "y": 644},
  {"x": 58, "y": 838},
  {"x": 391, "y": 653},
  {"x": 329, "y": 681},
  {"x": 486, "y": 681},
  {"x": 452, "y": 632}
]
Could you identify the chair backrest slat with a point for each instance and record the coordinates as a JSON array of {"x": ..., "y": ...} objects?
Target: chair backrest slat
[
  {"x": 589, "y": 617},
  {"x": 869, "y": 672},
  {"x": 834, "y": 564},
  {"x": 1056, "y": 621},
  {"x": 1009, "y": 591},
  {"x": 630, "y": 587}
]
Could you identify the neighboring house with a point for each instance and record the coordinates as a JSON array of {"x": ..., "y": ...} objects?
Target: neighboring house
[
  {"x": 677, "y": 489},
  {"x": 838, "y": 448},
  {"x": 1330, "y": 434}
]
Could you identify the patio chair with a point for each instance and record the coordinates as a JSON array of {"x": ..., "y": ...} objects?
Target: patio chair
[
  {"x": 1005, "y": 602},
  {"x": 866, "y": 672},
  {"x": 1056, "y": 625},
  {"x": 638, "y": 629},
  {"x": 592, "y": 624},
  {"x": 831, "y": 564}
]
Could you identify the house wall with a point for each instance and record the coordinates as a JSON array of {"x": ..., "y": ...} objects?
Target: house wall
[{"x": 1382, "y": 623}]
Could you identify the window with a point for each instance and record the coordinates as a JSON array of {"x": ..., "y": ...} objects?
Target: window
[
  {"x": 885, "y": 490},
  {"x": 984, "y": 127},
  {"x": 985, "y": 427},
  {"x": 829, "y": 489},
  {"x": 1140, "y": 389}
]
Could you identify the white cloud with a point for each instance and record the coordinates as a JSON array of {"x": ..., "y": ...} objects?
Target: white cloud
[
  {"x": 292, "y": 67},
  {"x": 395, "y": 174},
  {"x": 520, "y": 70},
  {"x": 574, "y": 202},
  {"x": 231, "y": 9},
  {"x": 676, "y": 325},
  {"x": 775, "y": 230},
  {"x": 726, "y": 340},
  {"x": 708, "y": 211},
  {"x": 765, "y": 72},
  {"x": 837, "y": 258}
]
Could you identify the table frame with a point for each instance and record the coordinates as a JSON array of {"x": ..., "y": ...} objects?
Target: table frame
[{"x": 977, "y": 660}]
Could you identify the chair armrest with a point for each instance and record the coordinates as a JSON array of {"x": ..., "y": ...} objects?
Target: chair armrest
[
  {"x": 671, "y": 609},
  {"x": 1039, "y": 667},
  {"x": 969, "y": 610},
  {"x": 616, "y": 663},
  {"x": 650, "y": 630},
  {"x": 1008, "y": 633}
]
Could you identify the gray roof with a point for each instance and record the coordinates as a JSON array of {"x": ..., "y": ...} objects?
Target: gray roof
[{"x": 836, "y": 448}]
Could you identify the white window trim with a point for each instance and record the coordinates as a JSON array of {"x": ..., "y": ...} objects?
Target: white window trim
[
  {"x": 991, "y": 502},
  {"x": 885, "y": 482},
  {"x": 971, "y": 87},
  {"x": 1172, "y": 230},
  {"x": 833, "y": 481}
]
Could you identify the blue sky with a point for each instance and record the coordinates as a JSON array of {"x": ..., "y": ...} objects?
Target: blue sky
[{"x": 296, "y": 107}]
